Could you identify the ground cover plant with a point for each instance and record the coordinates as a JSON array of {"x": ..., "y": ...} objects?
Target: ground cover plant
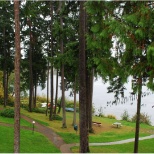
[{"x": 30, "y": 142}]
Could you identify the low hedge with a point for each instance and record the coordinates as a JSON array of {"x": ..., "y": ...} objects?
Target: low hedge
[{"x": 7, "y": 113}]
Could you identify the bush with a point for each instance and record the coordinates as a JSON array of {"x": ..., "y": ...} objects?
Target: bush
[
  {"x": 39, "y": 110},
  {"x": 70, "y": 103},
  {"x": 125, "y": 116},
  {"x": 100, "y": 112},
  {"x": 41, "y": 99},
  {"x": 57, "y": 117},
  {"x": 10, "y": 101},
  {"x": 7, "y": 113},
  {"x": 110, "y": 116},
  {"x": 144, "y": 118}
]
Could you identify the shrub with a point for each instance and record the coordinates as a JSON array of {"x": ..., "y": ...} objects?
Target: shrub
[
  {"x": 7, "y": 113},
  {"x": 125, "y": 116},
  {"x": 110, "y": 116},
  {"x": 144, "y": 118},
  {"x": 100, "y": 112},
  {"x": 70, "y": 103},
  {"x": 41, "y": 99},
  {"x": 39, "y": 110},
  {"x": 57, "y": 117}
]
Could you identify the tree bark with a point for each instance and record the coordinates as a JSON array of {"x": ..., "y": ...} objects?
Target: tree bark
[
  {"x": 5, "y": 81},
  {"x": 62, "y": 70},
  {"x": 84, "y": 144},
  {"x": 138, "y": 115},
  {"x": 90, "y": 101},
  {"x": 51, "y": 73},
  {"x": 56, "y": 94},
  {"x": 35, "y": 95},
  {"x": 74, "y": 115},
  {"x": 30, "y": 68},
  {"x": 17, "y": 79},
  {"x": 47, "y": 89}
]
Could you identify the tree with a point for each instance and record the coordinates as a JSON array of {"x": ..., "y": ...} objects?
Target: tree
[
  {"x": 7, "y": 45},
  {"x": 51, "y": 54},
  {"x": 17, "y": 79},
  {"x": 33, "y": 25},
  {"x": 133, "y": 31},
  {"x": 84, "y": 144}
]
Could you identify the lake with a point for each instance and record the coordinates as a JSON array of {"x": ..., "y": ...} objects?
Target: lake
[{"x": 101, "y": 97}]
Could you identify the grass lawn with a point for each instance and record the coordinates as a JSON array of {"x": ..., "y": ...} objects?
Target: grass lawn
[
  {"x": 29, "y": 142},
  {"x": 105, "y": 133},
  {"x": 145, "y": 146},
  {"x": 11, "y": 121}
]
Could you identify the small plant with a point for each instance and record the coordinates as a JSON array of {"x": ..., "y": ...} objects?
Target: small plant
[
  {"x": 125, "y": 116},
  {"x": 57, "y": 117},
  {"x": 7, "y": 113},
  {"x": 110, "y": 116},
  {"x": 39, "y": 110},
  {"x": 144, "y": 118},
  {"x": 100, "y": 112}
]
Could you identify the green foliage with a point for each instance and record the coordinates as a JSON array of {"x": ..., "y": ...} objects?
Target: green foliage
[
  {"x": 10, "y": 101},
  {"x": 110, "y": 116},
  {"x": 100, "y": 112},
  {"x": 125, "y": 116},
  {"x": 57, "y": 117},
  {"x": 150, "y": 54},
  {"x": 41, "y": 99},
  {"x": 144, "y": 118},
  {"x": 39, "y": 110},
  {"x": 95, "y": 28},
  {"x": 70, "y": 104},
  {"x": 7, "y": 113}
]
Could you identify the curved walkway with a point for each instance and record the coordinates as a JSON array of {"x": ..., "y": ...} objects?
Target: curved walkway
[
  {"x": 58, "y": 141},
  {"x": 50, "y": 134},
  {"x": 108, "y": 143}
]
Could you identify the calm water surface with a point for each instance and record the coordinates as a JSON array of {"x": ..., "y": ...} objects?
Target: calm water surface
[{"x": 102, "y": 99}]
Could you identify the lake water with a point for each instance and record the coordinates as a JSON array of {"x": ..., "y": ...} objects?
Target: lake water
[{"x": 101, "y": 97}]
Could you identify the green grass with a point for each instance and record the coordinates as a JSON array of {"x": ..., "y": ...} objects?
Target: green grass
[
  {"x": 145, "y": 146},
  {"x": 11, "y": 121},
  {"x": 99, "y": 138},
  {"x": 69, "y": 137},
  {"x": 29, "y": 142},
  {"x": 105, "y": 133}
]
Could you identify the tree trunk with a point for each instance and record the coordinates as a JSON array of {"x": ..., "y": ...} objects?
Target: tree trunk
[
  {"x": 30, "y": 69},
  {"x": 84, "y": 143},
  {"x": 60, "y": 106},
  {"x": 5, "y": 72},
  {"x": 17, "y": 80},
  {"x": 47, "y": 90},
  {"x": 138, "y": 115},
  {"x": 90, "y": 100},
  {"x": 62, "y": 69},
  {"x": 51, "y": 73},
  {"x": 35, "y": 95},
  {"x": 74, "y": 115},
  {"x": 56, "y": 95}
]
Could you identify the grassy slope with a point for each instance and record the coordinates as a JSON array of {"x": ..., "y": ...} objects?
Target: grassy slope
[
  {"x": 106, "y": 133},
  {"x": 30, "y": 143},
  {"x": 145, "y": 146}
]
